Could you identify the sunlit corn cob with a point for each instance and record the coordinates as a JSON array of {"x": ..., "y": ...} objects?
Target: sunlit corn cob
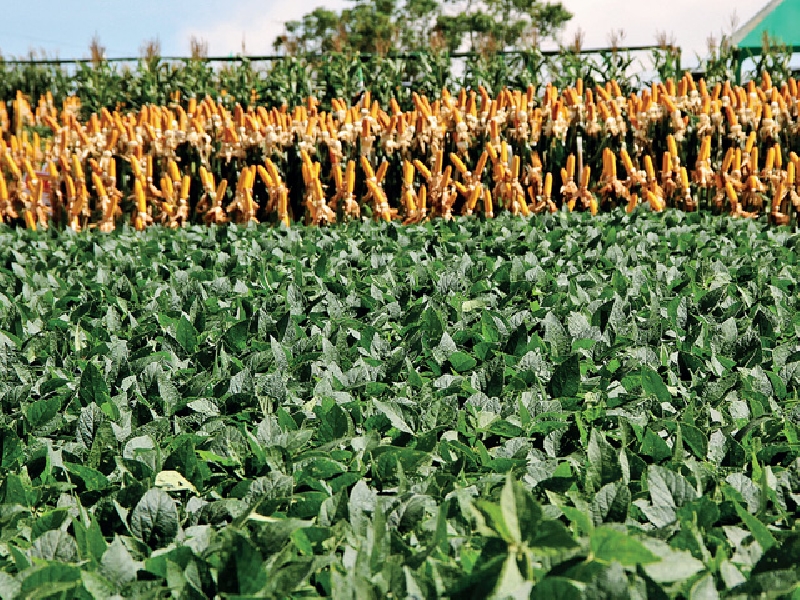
[{"x": 150, "y": 136}]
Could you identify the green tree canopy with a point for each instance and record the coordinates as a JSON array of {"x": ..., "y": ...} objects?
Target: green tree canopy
[{"x": 381, "y": 26}]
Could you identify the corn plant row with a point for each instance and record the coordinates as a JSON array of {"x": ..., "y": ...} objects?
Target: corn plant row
[{"x": 728, "y": 149}]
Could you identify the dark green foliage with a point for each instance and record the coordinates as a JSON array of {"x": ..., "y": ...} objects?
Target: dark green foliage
[{"x": 565, "y": 407}]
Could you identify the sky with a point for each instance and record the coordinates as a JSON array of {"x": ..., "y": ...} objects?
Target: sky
[{"x": 64, "y": 28}]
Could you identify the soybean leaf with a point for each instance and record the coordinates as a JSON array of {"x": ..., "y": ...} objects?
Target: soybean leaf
[
  {"x": 609, "y": 544},
  {"x": 93, "y": 386},
  {"x": 566, "y": 378},
  {"x": 186, "y": 335},
  {"x": 462, "y": 362},
  {"x": 154, "y": 519}
]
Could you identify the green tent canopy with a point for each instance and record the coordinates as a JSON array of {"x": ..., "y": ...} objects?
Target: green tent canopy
[{"x": 780, "y": 19}]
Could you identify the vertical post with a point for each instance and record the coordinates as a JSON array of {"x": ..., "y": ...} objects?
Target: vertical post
[{"x": 737, "y": 57}]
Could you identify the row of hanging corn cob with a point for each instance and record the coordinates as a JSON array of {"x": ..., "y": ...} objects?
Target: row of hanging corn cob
[{"x": 439, "y": 151}]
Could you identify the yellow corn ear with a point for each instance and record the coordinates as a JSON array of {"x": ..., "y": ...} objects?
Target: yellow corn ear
[
  {"x": 382, "y": 171},
  {"x": 37, "y": 192},
  {"x": 731, "y": 116},
  {"x": 186, "y": 182},
  {"x": 273, "y": 171},
  {"x": 492, "y": 153},
  {"x": 98, "y": 185},
  {"x": 408, "y": 173},
  {"x": 460, "y": 166},
  {"x": 262, "y": 172},
  {"x": 777, "y": 197},
  {"x": 351, "y": 176},
  {"x": 283, "y": 211},
  {"x": 770, "y": 159},
  {"x": 70, "y": 186},
  {"x": 473, "y": 199},
  {"x": 446, "y": 176},
  {"x": 367, "y": 167},
  {"x": 166, "y": 188},
  {"x": 487, "y": 203},
  {"x": 626, "y": 161},
  {"x": 728, "y": 160},
  {"x": 655, "y": 202},
  {"x": 411, "y": 206},
  {"x": 424, "y": 171},
  {"x": 751, "y": 138},
  {"x": 523, "y": 206},
  {"x": 548, "y": 185},
  {"x": 648, "y": 168},
  {"x": 30, "y": 220},
  {"x": 137, "y": 170},
  {"x": 141, "y": 200},
  {"x": 319, "y": 192},
  {"x": 438, "y": 162},
  {"x": 731, "y": 193},
  {"x": 221, "y": 189},
  {"x": 481, "y": 164},
  {"x": 587, "y": 172},
  {"x": 77, "y": 168},
  {"x": 173, "y": 171},
  {"x": 29, "y": 170}
]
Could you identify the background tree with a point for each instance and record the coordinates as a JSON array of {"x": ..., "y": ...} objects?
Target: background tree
[
  {"x": 380, "y": 26},
  {"x": 501, "y": 24}
]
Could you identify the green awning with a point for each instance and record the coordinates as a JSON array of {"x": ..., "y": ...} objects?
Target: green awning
[{"x": 780, "y": 18}]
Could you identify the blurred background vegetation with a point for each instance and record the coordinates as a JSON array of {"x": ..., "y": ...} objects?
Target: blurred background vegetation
[{"x": 392, "y": 47}]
